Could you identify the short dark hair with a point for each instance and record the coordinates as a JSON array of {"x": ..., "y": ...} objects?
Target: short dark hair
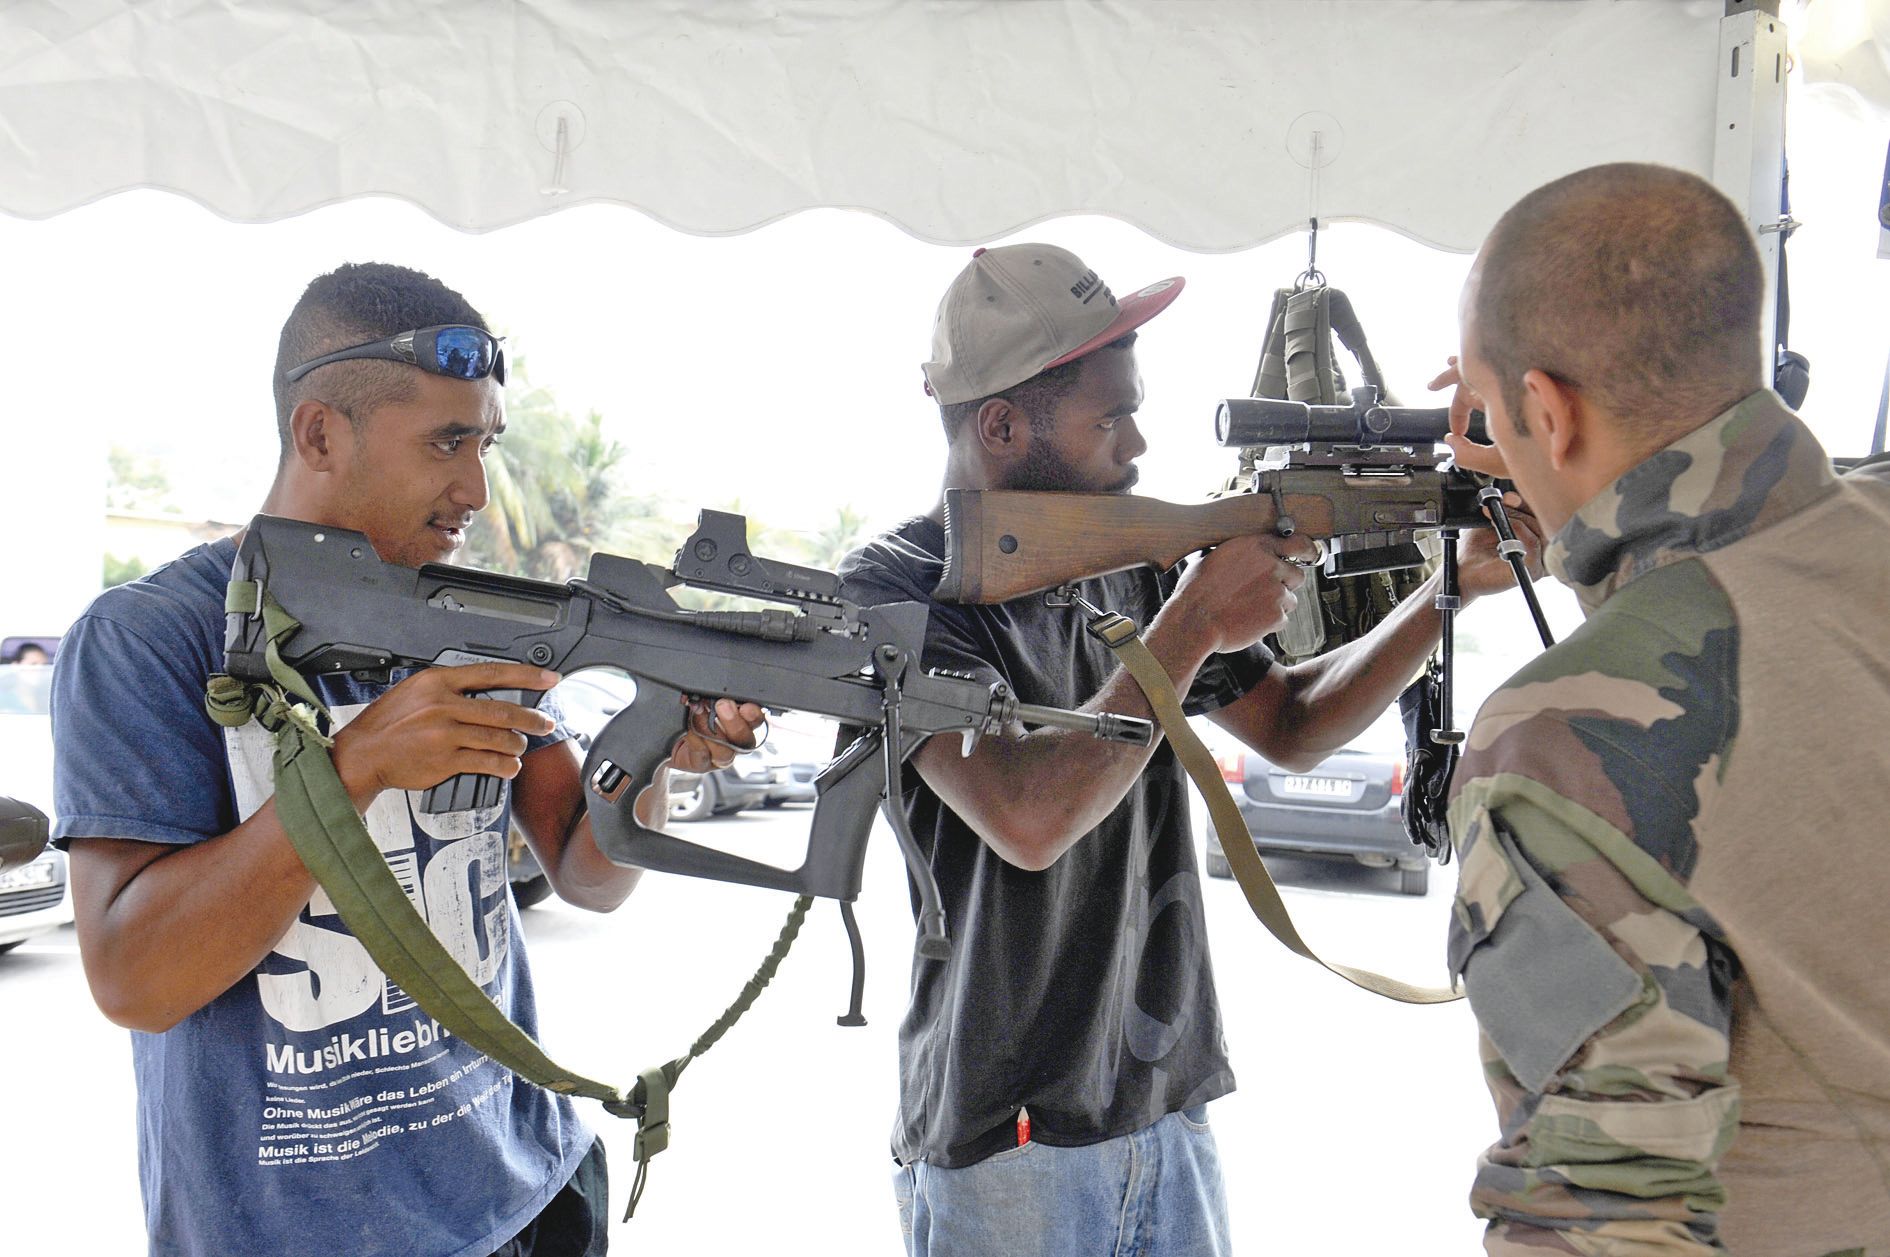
[
  {"x": 1637, "y": 284},
  {"x": 1038, "y": 397},
  {"x": 352, "y": 304}
]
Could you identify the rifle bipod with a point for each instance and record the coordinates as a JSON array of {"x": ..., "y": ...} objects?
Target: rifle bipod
[{"x": 1432, "y": 740}]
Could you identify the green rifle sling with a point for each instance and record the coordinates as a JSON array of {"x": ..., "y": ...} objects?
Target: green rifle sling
[{"x": 333, "y": 843}]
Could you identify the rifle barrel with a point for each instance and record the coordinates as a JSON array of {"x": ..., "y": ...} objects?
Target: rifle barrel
[
  {"x": 1244, "y": 421},
  {"x": 1133, "y": 730}
]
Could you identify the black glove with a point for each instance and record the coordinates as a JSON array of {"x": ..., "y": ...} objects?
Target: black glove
[{"x": 1428, "y": 765}]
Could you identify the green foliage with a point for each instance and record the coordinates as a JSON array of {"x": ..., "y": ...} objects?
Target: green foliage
[
  {"x": 135, "y": 482},
  {"x": 556, "y": 490},
  {"x": 118, "y": 571},
  {"x": 559, "y": 494}
]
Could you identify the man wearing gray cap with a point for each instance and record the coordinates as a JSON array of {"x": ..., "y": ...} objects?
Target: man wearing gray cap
[{"x": 1055, "y": 1072}]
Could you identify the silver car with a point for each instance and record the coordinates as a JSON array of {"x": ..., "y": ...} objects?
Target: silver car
[
  {"x": 34, "y": 898},
  {"x": 1349, "y": 806}
]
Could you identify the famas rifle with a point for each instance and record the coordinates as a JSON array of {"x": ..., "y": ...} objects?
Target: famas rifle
[{"x": 818, "y": 653}]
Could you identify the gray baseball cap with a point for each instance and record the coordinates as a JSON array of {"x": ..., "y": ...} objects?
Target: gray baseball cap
[{"x": 1021, "y": 309}]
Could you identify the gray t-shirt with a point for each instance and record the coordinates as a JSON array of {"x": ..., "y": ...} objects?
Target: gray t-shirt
[{"x": 1083, "y": 992}]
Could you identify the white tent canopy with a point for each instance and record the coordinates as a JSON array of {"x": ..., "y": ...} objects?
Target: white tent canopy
[
  {"x": 959, "y": 120},
  {"x": 1192, "y": 119}
]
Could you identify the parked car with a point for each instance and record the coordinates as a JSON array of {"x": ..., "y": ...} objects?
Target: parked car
[
  {"x": 36, "y": 897},
  {"x": 799, "y": 746},
  {"x": 33, "y": 891},
  {"x": 588, "y": 700},
  {"x": 1347, "y": 806}
]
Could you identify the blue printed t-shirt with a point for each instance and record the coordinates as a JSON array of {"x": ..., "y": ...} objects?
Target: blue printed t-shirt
[{"x": 312, "y": 1107}]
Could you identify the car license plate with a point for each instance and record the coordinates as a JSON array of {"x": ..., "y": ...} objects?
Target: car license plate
[
  {"x": 1316, "y": 787},
  {"x": 39, "y": 873}
]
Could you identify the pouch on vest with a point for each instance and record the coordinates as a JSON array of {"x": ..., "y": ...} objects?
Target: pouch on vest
[{"x": 1298, "y": 363}]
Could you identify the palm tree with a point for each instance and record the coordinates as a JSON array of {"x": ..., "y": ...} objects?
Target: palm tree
[
  {"x": 556, "y": 492},
  {"x": 848, "y": 531},
  {"x": 558, "y": 496}
]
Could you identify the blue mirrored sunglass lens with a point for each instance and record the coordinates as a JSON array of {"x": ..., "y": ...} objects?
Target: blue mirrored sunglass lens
[{"x": 464, "y": 353}]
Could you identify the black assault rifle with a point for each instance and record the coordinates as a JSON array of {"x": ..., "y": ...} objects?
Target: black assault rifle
[{"x": 819, "y": 653}]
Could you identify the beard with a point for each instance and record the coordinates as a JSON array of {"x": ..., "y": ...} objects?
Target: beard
[{"x": 1043, "y": 469}]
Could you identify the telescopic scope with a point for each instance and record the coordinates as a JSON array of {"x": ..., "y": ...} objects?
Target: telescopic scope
[{"x": 1245, "y": 421}]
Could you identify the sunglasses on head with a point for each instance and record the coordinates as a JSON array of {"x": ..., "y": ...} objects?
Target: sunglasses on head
[{"x": 453, "y": 350}]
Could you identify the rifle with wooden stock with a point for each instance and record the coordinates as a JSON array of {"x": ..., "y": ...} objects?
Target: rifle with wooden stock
[{"x": 1364, "y": 479}]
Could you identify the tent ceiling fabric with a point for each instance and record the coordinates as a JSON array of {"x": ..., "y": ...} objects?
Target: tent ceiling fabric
[{"x": 958, "y": 121}]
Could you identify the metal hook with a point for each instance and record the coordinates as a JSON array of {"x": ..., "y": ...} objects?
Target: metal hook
[
  {"x": 1311, "y": 277},
  {"x": 557, "y": 185},
  {"x": 560, "y": 129}
]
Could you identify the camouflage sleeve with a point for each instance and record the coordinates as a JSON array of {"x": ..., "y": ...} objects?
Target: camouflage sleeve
[{"x": 1604, "y": 1009}]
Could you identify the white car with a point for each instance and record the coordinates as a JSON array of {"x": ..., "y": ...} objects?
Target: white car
[{"x": 35, "y": 898}]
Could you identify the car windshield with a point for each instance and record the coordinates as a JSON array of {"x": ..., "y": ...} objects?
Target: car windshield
[{"x": 25, "y": 689}]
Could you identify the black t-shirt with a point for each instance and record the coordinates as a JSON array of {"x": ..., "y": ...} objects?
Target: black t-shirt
[{"x": 1083, "y": 992}]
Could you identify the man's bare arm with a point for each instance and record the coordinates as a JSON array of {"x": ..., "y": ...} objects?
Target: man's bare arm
[
  {"x": 1296, "y": 716},
  {"x": 1031, "y": 797},
  {"x": 163, "y": 930},
  {"x": 1299, "y": 715}
]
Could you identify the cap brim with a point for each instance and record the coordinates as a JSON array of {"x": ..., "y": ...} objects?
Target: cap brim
[{"x": 1131, "y": 312}]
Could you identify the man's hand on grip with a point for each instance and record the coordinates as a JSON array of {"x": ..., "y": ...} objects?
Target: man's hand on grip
[
  {"x": 432, "y": 726},
  {"x": 1244, "y": 589},
  {"x": 711, "y": 743}
]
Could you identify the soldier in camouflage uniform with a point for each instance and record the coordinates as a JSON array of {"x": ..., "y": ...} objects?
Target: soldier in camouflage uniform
[{"x": 1670, "y": 917}]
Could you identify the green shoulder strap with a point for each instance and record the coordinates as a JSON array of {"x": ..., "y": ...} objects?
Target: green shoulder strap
[
  {"x": 1121, "y": 636},
  {"x": 333, "y": 842}
]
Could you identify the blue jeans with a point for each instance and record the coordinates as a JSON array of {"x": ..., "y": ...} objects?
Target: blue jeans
[{"x": 1155, "y": 1193}]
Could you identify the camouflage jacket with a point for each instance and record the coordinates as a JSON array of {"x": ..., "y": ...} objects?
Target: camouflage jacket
[{"x": 1670, "y": 918}]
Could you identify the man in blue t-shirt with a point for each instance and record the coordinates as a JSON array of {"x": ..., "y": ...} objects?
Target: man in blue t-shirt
[{"x": 290, "y": 1098}]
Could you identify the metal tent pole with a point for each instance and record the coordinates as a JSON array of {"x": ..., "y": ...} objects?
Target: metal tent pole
[
  {"x": 1749, "y": 133},
  {"x": 1883, "y": 413}
]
